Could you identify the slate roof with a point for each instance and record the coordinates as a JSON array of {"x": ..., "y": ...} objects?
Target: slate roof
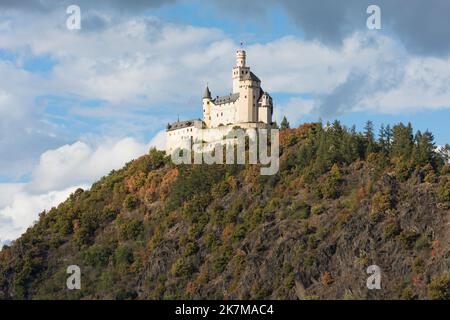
[
  {"x": 232, "y": 97},
  {"x": 207, "y": 93},
  {"x": 251, "y": 76},
  {"x": 181, "y": 124}
]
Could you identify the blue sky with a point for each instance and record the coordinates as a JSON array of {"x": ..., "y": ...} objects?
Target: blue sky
[{"x": 75, "y": 104}]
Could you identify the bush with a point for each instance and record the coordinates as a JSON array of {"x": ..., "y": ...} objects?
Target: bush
[
  {"x": 407, "y": 238},
  {"x": 190, "y": 249},
  {"x": 444, "y": 190},
  {"x": 407, "y": 294},
  {"x": 131, "y": 230},
  {"x": 439, "y": 288},
  {"x": 97, "y": 255},
  {"x": 124, "y": 256},
  {"x": 301, "y": 210},
  {"x": 391, "y": 229},
  {"x": 126, "y": 295},
  {"x": 182, "y": 268},
  {"x": 239, "y": 233},
  {"x": 381, "y": 203},
  {"x": 317, "y": 210},
  {"x": 131, "y": 202},
  {"x": 421, "y": 243},
  {"x": 331, "y": 187}
]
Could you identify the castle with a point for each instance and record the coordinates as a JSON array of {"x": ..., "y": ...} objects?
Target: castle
[{"x": 247, "y": 106}]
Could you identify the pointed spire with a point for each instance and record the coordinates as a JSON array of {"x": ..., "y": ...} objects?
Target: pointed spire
[{"x": 207, "y": 94}]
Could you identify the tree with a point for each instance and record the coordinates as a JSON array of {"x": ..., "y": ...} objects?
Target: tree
[
  {"x": 369, "y": 137},
  {"x": 331, "y": 187},
  {"x": 382, "y": 139},
  {"x": 424, "y": 149},
  {"x": 284, "y": 124},
  {"x": 444, "y": 152},
  {"x": 388, "y": 136},
  {"x": 402, "y": 141}
]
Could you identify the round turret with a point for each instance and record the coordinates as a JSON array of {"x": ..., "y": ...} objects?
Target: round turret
[{"x": 240, "y": 58}]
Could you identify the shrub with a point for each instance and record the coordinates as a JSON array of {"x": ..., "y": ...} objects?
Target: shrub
[
  {"x": 123, "y": 294},
  {"x": 124, "y": 256},
  {"x": 391, "y": 229},
  {"x": 190, "y": 249},
  {"x": 444, "y": 190},
  {"x": 421, "y": 243},
  {"x": 407, "y": 294},
  {"x": 301, "y": 210},
  {"x": 131, "y": 230},
  {"x": 182, "y": 268},
  {"x": 381, "y": 203},
  {"x": 97, "y": 255},
  {"x": 239, "y": 233},
  {"x": 131, "y": 202},
  {"x": 327, "y": 279},
  {"x": 331, "y": 187},
  {"x": 407, "y": 238},
  {"x": 439, "y": 288},
  {"x": 317, "y": 209}
]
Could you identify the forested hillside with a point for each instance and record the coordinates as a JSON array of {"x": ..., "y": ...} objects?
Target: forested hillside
[{"x": 341, "y": 201}]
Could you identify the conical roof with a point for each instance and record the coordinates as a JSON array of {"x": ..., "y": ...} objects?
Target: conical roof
[{"x": 207, "y": 94}]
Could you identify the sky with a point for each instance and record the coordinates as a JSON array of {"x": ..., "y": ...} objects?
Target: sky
[{"x": 76, "y": 104}]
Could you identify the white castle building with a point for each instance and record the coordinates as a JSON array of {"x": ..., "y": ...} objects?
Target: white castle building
[{"x": 247, "y": 106}]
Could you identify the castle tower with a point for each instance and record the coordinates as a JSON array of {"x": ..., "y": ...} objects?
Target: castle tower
[
  {"x": 265, "y": 109},
  {"x": 207, "y": 107},
  {"x": 239, "y": 70}
]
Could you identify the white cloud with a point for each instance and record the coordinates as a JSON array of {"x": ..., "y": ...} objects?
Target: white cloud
[
  {"x": 79, "y": 163},
  {"x": 370, "y": 71}
]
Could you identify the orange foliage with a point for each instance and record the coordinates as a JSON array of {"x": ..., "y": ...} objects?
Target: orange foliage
[
  {"x": 191, "y": 287},
  {"x": 327, "y": 279},
  {"x": 434, "y": 246},
  {"x": 167, "y": 182},
  {"x": 227, "y": 231}
]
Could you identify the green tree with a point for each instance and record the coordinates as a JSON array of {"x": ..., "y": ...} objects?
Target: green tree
[
  {"x": 424, "y": 149},
  {"x": 369, "y": 138},
  {"x": 439, "y": 288},
  {"x": 382, "y": 140},
  {"x": 284, "y": 124},
  {"x": 331, "y": 188},
  {"x": 402, "y": 141}
]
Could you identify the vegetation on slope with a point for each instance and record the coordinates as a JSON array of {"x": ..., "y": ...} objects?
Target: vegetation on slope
[{"x": 341, "y": 201}]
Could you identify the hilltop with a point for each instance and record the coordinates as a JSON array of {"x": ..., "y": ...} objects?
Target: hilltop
[{"x": 342, "y": 201}]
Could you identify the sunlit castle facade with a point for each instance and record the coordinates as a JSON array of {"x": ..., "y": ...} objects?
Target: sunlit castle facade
[{"x": 247, "y": 106}]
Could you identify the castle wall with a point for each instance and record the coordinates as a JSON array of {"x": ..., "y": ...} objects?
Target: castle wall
[{"x": 223, "y": 114}]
